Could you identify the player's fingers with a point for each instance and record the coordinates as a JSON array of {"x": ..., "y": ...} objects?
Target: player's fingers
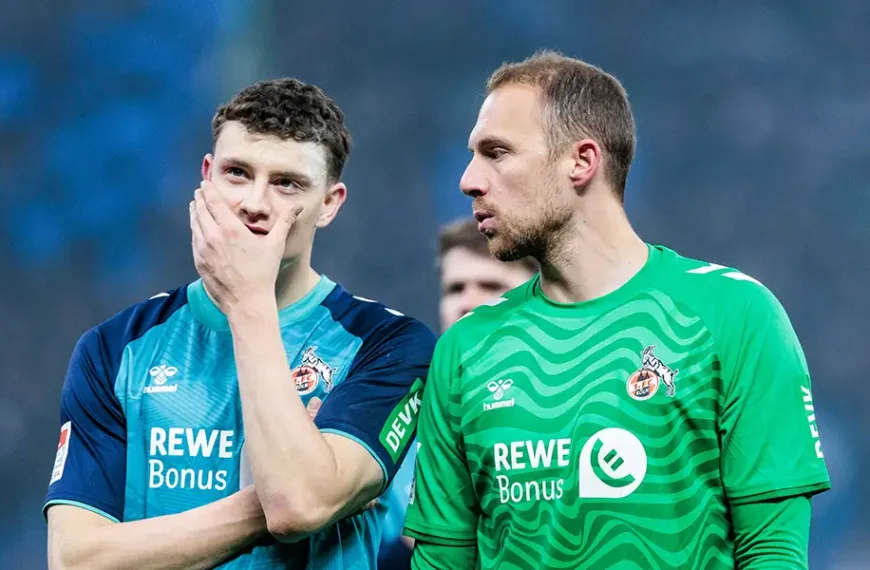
[
  {"x": 282, "y": 227},
  {"x": 195, "y": 228},
  {"x": 218, "y": 208},
  {"x": 210, "y": 229},
  {"x": 314, "y": 407},
  {"x": 198, "y": 240}
]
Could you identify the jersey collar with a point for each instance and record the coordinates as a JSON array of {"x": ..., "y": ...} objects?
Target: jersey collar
[
  {"x": 206, "y": 312},
  {"x": 639, "y": 281}
]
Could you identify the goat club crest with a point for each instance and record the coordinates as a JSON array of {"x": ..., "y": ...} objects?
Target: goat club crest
[
  {"x": 311, "y": 372},
  {"x": 643, "y": 384}
]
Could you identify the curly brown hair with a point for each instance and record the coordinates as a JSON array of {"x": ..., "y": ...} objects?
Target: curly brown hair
[{"x": 289, "y": 108}]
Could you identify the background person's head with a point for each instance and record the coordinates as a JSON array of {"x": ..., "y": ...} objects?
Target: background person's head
[{"x": 469, "y": 275}]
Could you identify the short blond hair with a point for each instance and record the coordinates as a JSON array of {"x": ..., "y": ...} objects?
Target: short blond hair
[{"x": 580, "y": 100}]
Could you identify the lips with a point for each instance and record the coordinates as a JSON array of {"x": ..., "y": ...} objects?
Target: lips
[
  {"x": 480, "y": 215},
  {"x": 485, "y": 221},
  {"x": 257, "y": 229}
]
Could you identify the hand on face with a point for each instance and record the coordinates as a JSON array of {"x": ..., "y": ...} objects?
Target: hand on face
[{"x": 234, "y": 263}]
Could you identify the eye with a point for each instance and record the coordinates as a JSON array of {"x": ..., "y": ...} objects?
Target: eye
[
  {"x": 235, "y": 172},
  {"x": 454, "y": 288},
  {"x": 493, "y": 286},
  {"x": 495, "y": 153},
  {"x": 288, "y": 185}
]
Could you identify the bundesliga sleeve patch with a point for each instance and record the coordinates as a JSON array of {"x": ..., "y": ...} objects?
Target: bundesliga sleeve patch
[{"x": 62, "y": 452}]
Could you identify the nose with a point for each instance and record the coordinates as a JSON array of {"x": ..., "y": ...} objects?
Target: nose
[
  {"x": 255, "y": 204},
  {"x": 473, "y": 182}
]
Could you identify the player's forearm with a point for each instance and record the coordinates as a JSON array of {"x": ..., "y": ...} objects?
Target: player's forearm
[
  {"x": 197, "y": 539},
  {"x": 291, "y": 462}
]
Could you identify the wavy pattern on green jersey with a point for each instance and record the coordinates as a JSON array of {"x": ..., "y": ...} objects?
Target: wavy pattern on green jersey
[{"x": 569, "y": 381}]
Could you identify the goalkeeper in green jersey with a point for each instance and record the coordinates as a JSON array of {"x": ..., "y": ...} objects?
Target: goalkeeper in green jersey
[{"x": 628, "y": 408}]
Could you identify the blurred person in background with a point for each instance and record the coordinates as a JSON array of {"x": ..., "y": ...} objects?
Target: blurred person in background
[
  {"x": 626, "y": 407},
  {"x": 187, "y": 437},
  {"x": 469, "y": 276}
]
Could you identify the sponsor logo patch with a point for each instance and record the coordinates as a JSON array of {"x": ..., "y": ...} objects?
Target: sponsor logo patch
[
  {"x": 62, "y": 452},
  {"x": 402, "y": 422}
]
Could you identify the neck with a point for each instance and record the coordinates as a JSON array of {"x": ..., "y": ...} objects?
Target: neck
[
  {"x": 295, "y": 280},
  {"x": 596, "y": 254}
]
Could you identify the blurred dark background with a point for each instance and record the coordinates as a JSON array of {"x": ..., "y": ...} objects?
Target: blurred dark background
[{"x": 753, "y": 152}]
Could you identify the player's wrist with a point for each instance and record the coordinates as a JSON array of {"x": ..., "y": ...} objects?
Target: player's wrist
[{"x": 251, "y": 309}]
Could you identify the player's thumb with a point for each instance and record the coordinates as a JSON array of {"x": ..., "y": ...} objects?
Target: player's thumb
[{"x": 284, "y": 224}]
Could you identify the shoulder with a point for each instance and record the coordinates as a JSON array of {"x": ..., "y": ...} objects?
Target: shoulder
[
  {"x": 106, "y": 341},
  {"x": 725, "y": 298},
  {"x": 97, "y": 356},
  {"x": 374, "y": 323},
  {"x": 478, "y": 326},
  {"x": 491, "y": 316}
]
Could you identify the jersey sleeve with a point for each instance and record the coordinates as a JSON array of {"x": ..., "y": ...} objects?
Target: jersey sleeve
[
  {"x": 90, "y": 466},
  {"x": 430, "y": 556},
  {"x": 772, "y": 534},
  {"x": 378, "y": 403},
  {"x": 443, "y": 508},
  {"x": 770, "y": 438}
]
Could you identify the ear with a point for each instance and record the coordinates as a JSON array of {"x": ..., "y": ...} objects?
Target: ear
[
  {"x": 207, "y": 163},
  {"x": 335, "y": 197},
  {"x": 586, "y": 159}
]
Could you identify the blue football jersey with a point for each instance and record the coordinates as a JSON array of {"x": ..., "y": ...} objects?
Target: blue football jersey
[{"x": 151, "y": 419}]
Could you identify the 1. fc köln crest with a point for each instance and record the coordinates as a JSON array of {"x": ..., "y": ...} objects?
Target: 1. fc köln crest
[
  {"x": 311, "y": 372},
  {"x": 643, "y": 384}
]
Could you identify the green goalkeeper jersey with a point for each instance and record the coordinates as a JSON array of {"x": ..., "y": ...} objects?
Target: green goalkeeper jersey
[{"x": 615, "y": 433}]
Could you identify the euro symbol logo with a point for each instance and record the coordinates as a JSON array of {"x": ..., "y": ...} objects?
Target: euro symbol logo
[{"x": 612, "y": 465}]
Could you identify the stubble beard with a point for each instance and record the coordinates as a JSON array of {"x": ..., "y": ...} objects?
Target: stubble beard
[{"x": 535, "y": 235}]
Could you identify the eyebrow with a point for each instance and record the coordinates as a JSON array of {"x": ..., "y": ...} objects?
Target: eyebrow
[{"x": 295, "y": 175}]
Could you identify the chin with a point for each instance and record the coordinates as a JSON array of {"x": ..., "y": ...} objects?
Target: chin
[
  {"x": 506, "y": 256},
  {"x": 508, "y": 246},
  {"x": 503, "y": 249}
]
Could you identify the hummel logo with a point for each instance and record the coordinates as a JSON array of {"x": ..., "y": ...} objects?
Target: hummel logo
[
  {"x": 162, "y": 373},
  {"x": 498, "y": 389},
  {"x": 159, "y": 376}
]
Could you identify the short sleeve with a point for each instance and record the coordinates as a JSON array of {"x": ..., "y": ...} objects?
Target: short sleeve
[
  {"x": 378, "y": 403},
  {"x": 90, "y": 466},
  {"x": 770, "y": 437},
  {"x": 443, "y": 508}
]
